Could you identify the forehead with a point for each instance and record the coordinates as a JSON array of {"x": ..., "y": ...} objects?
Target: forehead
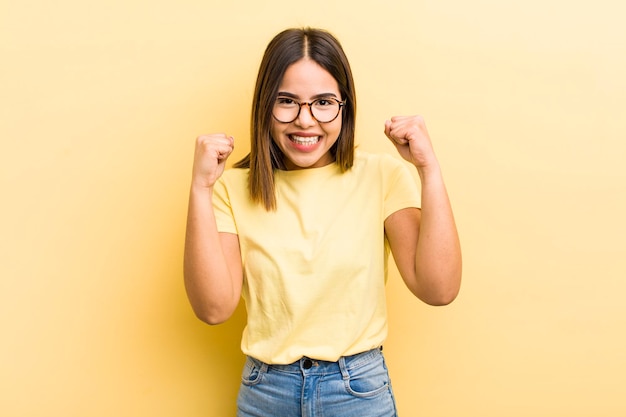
[{"x": 307, "y": 78}]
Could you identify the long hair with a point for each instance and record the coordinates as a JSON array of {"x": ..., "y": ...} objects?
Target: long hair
[{"x": 285, "y": 49}]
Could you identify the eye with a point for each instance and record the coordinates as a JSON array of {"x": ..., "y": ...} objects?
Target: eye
[
  {"x": 285, "y": 101},
  {"x": 324, "y": 102}
]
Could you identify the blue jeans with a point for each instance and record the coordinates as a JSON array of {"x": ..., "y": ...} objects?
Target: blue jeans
[{"x": 354, "y": 386}]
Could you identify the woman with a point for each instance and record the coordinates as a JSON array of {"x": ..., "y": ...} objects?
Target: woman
[{"x": 301, "y": 228}]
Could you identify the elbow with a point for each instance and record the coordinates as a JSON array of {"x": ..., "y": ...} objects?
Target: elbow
[
  {"x": 211, "y": 309},
  {"x": 442, "y": 299},
  {"x": 213, "y": 315},
  {"x": 212, "y": 318},
  {"x": 441, "y": 294}
]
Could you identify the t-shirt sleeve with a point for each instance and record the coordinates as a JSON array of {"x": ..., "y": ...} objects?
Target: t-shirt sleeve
[
  {"x": 222, "y": 208},
  {"x": 402, "y": 190}
]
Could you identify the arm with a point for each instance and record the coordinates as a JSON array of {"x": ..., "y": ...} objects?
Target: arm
[
  {"x": 212, "y": 264},
  {"x": 424, "y": 243}
]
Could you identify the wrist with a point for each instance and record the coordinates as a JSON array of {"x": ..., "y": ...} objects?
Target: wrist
[
  {"x": 199, "y": 187},
  {"x": 429, "y": 170}
]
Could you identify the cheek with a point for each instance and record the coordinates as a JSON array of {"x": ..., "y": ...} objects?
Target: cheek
[
  {"x": 274, "y": 132},
  {"x": 333, "y": 129}
]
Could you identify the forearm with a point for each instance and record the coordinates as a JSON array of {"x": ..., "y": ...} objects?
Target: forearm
[
  {"x": 425, "y": 244},
  {"x": 438, "y": 253},
  {"x": 211, "y": 287}
]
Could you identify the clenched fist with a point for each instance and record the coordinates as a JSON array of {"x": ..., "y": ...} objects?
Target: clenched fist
[
  {"x": 210, "y": 158},
  {"x": 410, "y": 136}
]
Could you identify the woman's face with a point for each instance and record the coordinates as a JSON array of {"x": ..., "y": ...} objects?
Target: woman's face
[{"x": 305, "y": 142}]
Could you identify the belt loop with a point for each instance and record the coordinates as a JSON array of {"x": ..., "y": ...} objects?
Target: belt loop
[{"x": 343, "y": 368}]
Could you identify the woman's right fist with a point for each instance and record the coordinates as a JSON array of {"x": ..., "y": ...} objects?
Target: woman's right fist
[{"x": 210, "y": 158}]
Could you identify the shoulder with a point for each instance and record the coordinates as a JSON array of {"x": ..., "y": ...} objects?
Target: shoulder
[
  {"x": 382, "y": 162},
  {"x": 235, "y": 176},
  {"x": 232, "y": 182},
  {"x": 391, "y": 171}
]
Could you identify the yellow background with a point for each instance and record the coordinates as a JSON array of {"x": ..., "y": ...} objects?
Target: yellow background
[{"x": 100, "y": 105}]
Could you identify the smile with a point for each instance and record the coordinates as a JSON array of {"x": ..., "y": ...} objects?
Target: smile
[{"x": 300, "y": 140}]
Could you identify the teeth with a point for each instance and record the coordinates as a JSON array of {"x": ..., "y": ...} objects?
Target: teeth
[{"x": 305, "y": 140}]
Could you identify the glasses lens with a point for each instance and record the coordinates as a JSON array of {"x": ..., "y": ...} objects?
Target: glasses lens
[
  {"x": 325, "y": 110},
  {"x": 285, "y": 109}
]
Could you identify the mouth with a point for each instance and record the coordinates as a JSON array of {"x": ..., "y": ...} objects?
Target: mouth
[{"x": 304, "y": 140}]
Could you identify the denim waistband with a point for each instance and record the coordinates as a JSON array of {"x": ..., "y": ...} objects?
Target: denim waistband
[{"x": 313, "y": 366}]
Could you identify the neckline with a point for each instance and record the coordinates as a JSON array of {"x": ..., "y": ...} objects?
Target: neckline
[{"x": 308, "y": 172}]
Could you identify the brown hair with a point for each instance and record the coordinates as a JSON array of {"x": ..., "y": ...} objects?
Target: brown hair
[{"x": 285, "y": 49}]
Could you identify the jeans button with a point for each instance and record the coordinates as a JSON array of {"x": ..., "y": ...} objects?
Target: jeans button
[{"x": 307, "y": 364}]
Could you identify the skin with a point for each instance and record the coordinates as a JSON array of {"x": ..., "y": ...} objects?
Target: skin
[
  {"x": 305, "y": 81},
  {"x": 424, "y": 243}
]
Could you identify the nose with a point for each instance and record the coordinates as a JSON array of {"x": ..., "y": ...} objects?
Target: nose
[{"x": 305, "y": 117}]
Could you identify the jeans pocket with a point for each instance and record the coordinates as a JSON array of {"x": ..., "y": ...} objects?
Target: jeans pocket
[
  {"x": 367, "y": 381},
  {"x": 252, "y": 372}
]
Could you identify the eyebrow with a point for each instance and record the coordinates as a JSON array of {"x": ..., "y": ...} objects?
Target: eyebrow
[{"x": 315, "y": 97}]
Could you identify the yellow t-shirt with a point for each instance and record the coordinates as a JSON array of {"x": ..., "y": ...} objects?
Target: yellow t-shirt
[{"x": 315, "y": 269}]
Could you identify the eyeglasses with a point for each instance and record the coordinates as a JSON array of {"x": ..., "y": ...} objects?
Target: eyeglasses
[{"x": 324, "y": 110}]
